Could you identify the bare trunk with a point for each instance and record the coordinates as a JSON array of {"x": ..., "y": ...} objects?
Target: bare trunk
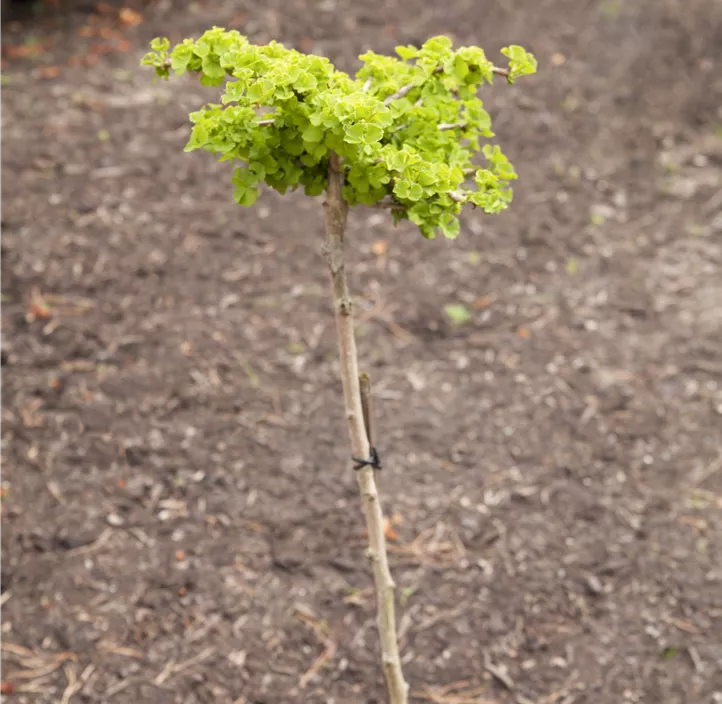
[{"x": 336, "y": 210}]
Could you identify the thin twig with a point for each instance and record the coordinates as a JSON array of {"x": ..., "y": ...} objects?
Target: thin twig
[
  {"x": 388, "y": 205},
  {"x": 329, "y": 642},
  {"x": 74, "y": 684},
  {"x": 499, "y": 673},
  {"x": 172, "y": 668},
  {"x": 428, "y": 549},
  {"x": 456, "y": 693},
  {"x": 400, "y": 93},
  {"x": 695, "y": 658},
  {"x": 446, "y": 126}
]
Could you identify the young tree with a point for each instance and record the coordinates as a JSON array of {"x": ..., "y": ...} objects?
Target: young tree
[{"x": 400, "y": 135}]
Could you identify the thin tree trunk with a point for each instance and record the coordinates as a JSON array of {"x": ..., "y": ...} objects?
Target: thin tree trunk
[{"x": 336, "y": 210}]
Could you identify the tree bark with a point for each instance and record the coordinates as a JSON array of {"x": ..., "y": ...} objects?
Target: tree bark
[{"x": 336, "y": 210}]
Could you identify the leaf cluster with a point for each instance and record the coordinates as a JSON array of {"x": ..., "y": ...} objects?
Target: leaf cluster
[{"x": 406, "y": 128}]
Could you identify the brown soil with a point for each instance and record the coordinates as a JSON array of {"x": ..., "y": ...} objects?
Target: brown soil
[{"x": 181, "y": 523}]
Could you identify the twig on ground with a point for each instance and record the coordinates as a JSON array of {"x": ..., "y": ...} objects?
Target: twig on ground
[
  {"x": 456, "y": 693},
  {"x": 428, "y": 548},
  {"x": 359, "y": 597},
  {"x": 95, "y": 545},
  {"x": 108, "y": 647},
  {"x": 499, "y": 672},
  {"x": 36, "y": 664},
  {"x": 324, "y": 634},
  {"x": 447, "y": 615},
  {"x": 695, "y": 658},
  {"x": 74, "y": 684},
  {"x": 381, "y": 311},
  {"x": 171, "y": 668}
]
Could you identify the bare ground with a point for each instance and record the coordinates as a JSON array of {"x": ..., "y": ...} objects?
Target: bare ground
[{"x": 180, "y": 524}]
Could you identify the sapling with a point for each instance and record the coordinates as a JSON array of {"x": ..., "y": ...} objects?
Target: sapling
[{"x": 401, "y": 135}]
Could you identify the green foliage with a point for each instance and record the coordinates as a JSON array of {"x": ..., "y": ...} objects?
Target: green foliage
[{"x": 405, "y": 128}]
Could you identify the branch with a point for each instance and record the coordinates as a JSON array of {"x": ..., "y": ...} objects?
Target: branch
[
  {"x": 400, "y": 93},
  {"x": 444, "y": 127},
  {"x": 404, "y": 90},
  {"x": 388, "y": 205},
  {"x": 336, "y": 210}
]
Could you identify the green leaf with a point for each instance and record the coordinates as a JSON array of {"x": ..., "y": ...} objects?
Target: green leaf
[
  {"x": 459, "y": 68},
  {"x": 181, "y": 57},
  {"x": 402, "y": 189},
  {"x": 202, "y": 46},
  {"x": 415, "y": 192},
  {"x": 198, "y": 139},
  {"x": 406, "y": 594},
  {"x": 458, "y": 314},
  {"x": 373, "y": 133},
  {"x": 521, "y": 62},
  {"x": 313, "y": 134},
  {"x": 211, "y": 81},
  {"x": 355, "y": 134},
  {"x": 245, "y": 192},
  {"x": 398, "y": 161},
  {"x": 450, "y": 226},
  {"x": 255, "y": 92},
  {"x": 212, "y": 68},
  {"x": 235, "y": 91},
  {"x": 245, "y": 196},
  {"x": 293, "y": 146},
  {"x": 316, "y": 119},
  {"x": 437, "y": 44},
  {"x": 305, "y": 82},
  {"x": 160, "y": 44},
  {"x": 407, "y": 52}
]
